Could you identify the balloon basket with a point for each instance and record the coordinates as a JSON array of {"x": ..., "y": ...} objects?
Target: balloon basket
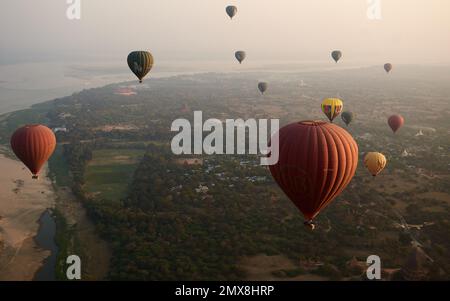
[{"x": 310, "y": 225}]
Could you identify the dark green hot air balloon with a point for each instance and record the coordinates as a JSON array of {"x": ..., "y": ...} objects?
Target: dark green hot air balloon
[
  {"x": 347, "y": 117},
  {"x": 262, "y": 86},
  {"x": 140, "y": 63},
  {"x": 336, "y": 55},
  {"x": 240, "y": 56},
  {"x": 231, "y": 11},
  {"x": 388, "y": 67}
]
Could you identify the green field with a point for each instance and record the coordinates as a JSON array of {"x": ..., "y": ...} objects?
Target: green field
[{"x": 110, "y": 171}]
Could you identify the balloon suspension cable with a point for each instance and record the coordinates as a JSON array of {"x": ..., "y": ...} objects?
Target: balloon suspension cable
[{"x": 310, "y": 224}]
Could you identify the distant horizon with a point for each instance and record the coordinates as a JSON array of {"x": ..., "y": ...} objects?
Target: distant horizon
[
  {"x": 408, "y": 31},
  {"x": 26, "y": 84}
]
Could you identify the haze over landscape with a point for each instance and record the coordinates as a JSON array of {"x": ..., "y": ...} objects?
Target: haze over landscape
[
  {"x": 52, "y": 56},
  {"x": 114, "y": 193}
]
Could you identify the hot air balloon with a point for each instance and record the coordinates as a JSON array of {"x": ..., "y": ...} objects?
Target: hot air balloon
[
  {"x": 317, "y": 160},
  {"x": 332, "y": 107},
  {"x": 347, "y": 117},
  {"x": 375, "y": 162},
  {"x": 33, "y": 145},
  {"x": 396, "y": 122},
  {"x": 388, "y": 67},
  {"x": 262, "y": 87},
  {"x": 240, "y": 56},
  {"x": 336, "y": 55},
  {"x": 140, "y": 63},
  {"x": 231, "y": 11}
]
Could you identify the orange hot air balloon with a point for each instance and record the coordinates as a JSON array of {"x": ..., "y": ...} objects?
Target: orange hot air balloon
[
  {"x": 33, "y": 145},
  {"x": 317, "y": 160},
  {"x": 375, "y": 162},
  {"x": 396, "y": 122}
]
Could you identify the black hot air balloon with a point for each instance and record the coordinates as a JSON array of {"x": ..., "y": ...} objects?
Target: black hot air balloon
[
  {"x": 140, "y": 63},
  {"x": 336, "y": 55},
  {"x": 388, "y": 67},
  {"x": 240, "y": 56},
  {"x": 262, "y": 86},
  {"x": 347, "y": 117},
  {"x": 231, "y": 11}
]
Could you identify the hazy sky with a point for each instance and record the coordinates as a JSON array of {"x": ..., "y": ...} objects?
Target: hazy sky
[{"x": 304, "y": 30}]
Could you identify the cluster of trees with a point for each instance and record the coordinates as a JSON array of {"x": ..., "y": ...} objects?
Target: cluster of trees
[
  {"x": 77, "y": 155},
  {"x": 161, "y": 233}
]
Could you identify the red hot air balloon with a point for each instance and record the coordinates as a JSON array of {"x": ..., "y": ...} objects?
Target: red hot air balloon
[
  {"x": 396, "y": 122},
  {"x": 33, "y": 145},
  {"x": 317, "y": 160}
]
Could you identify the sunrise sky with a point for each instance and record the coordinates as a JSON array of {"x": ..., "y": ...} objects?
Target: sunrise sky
[{"x": 411, "y": 31}]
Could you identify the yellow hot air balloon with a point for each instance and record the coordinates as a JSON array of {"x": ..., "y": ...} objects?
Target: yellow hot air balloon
[
  {"x": 332, "y": 107},
  {"x": 375, "y": 162}
]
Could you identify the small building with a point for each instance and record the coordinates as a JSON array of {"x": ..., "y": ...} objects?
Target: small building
[
  {"x": 405, "y": 153},
  {"x": 202, "y": 189},
  {"x": 189, "y": 161},
  {"x": 60, "y": 129}
]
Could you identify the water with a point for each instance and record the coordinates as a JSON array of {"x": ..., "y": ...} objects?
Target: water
[
  {"x": 46, "y": 240},
  {"x": 25, "y": 84},
  {"x": 22, "y": 85}
]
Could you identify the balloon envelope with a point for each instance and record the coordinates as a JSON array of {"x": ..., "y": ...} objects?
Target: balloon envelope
[
  {"x": 396, "y": 122},
  {"x": 240, "y": 56},
  {"x": 33, "y": 145},
  {"x": 231, "y": 11},
  {"x": 347, "y": 117},
  {"x": 140, "y": 63},
  {"x": 317, "y": 160},
  {"x": 336, "y": 55},
  {"x": 332, "y": 107},
  {"x": 375, "y": 162},
  {"x": 388, "y": 67},
  {"x": 262, "y": 87}
]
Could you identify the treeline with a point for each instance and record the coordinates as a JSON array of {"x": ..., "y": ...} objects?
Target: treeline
[{"x": 77, "y": 155}]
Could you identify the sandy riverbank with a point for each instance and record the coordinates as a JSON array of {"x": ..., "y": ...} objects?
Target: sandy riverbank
[{"x": 22, "y": 202}]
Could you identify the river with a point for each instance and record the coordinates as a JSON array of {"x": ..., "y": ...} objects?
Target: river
[
  {"x": 46, "y": 240},
  {"x": 25, "y": 84}
]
